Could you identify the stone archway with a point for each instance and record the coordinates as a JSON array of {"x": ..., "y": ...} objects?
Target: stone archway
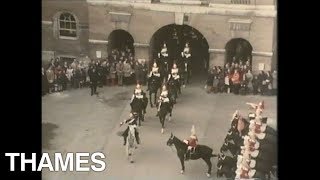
[
  {"x": 175, "y": 36},
  {"x": 120, "y": 39},
  {"x": 238, "y": 50}
]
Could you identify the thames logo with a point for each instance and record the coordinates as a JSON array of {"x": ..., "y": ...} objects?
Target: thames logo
[{"x": 58, "y": 163}]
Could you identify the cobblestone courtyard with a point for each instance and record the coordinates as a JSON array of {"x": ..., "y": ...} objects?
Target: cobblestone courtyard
[{"x": 74, "y": 121}]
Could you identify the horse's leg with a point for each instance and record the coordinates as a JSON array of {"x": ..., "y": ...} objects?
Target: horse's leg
[
  {"x": 162, "y": 123},
  {"x": 182, "y": 163},
  {"x": 155, "y": 96},
  {"x": 170, "y": 113},
  {"x": 139, "y": 118},
  {"x": 142, "y": 115},
  {"x": 150, "y": 98},
  {"x": 208, "y": 161}
]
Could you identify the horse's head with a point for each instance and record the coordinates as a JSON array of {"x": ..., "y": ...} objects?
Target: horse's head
[
  {"x": 229, "y": 136},
  {"x": 221, "y": 157},
  {"x": 170, "y": 140},
  {"x": 224, "y": 147}
]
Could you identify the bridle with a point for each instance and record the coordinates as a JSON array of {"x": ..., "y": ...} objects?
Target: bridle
[{"x": 171, "y": 146}]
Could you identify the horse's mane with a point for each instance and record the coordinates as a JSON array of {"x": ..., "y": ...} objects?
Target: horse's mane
[{"x": 180, "y": 143}]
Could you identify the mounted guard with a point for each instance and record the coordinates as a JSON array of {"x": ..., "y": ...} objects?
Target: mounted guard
[
  {"x": 192, "y": 143},
  {"x": 132, "y": 123},
  {"x": 154, "y": 82},
  {"x": 164, "y": 60},
  {"x": 164, "y": 98},
  {"x": 186, "y": 56},
  {"x": 175, "y": 76},
  {"x": 139, "y": 102}
]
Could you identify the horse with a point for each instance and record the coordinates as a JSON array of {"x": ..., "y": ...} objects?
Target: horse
[
  {"x": 131, "y": 143},
  {"x": 224, "y": 170},
  {"x": 138, "y": 105},
  {"x": 201, "y": 151},
  {"x": 164, "y": 110},
  {"x": 172, "y": 89},
  {"x": 164, "y": 68},
  {"x": 185, "y": 72},
  {"x": 228, "y": 161},
  {"x": 234, "y": 149},
  {"x": 235, "y": 137},
  {"x": 154, "y": 85}
]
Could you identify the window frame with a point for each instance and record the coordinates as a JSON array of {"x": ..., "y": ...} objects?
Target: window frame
[{"x": 59, "y": 29}]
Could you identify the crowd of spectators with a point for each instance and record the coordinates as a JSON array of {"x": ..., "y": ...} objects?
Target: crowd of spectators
[
  {"x": 119, "y": 68},
  {"x": 237, "y": 78}
]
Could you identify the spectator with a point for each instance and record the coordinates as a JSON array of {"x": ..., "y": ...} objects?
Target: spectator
[
  {"x": 274, "y": 82},
  {"x": 77, "y": 78},
  {"x": 45, "y": 83},
  {"x": 210, "y": 79},
  {"x": 113, "y": 74},
  {"x": 93, "y": 74},
  {"x": 69, "y": 74},
  {"x": 138, "y": 72},
  {"x": 107, "y": 73},
  {"x": 50, "y": 77},
  {"x": 119, "y": 69},
  {"x": 227, "y": 83},
  {"x": 248, "y": 78},
  {"x": 255, "y": 85},
  {"x": 127, "y": 72},
  {"x": 235, "y": 82},
  {"x": 269, "y": 83}
]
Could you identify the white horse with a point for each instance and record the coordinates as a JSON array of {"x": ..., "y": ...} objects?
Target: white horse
[{"x": 131, "y": 143}]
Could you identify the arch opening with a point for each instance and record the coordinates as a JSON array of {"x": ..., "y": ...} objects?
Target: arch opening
[
  {"x": 238, "y": 50},
  {"x": 120, "y": 40},
  {"x": 176, "y": 36}
]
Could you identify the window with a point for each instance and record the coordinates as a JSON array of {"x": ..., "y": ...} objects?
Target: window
[{"x": 67, "y": 25}]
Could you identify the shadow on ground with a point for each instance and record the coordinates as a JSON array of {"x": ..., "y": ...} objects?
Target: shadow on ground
[
  {"x": 48, "y": 134},
  {"x": 116, "y": 100}
]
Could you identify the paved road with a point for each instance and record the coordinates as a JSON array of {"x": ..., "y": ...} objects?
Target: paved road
[{"x": 76, "y": 122}]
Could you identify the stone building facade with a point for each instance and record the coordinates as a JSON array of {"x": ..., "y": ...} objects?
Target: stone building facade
[{"x": 219, "y": 21}]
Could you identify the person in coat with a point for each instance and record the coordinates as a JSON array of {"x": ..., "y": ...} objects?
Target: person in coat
[
  {"x": 94, "y": 77},
  {"x": 119, "y": 69}
]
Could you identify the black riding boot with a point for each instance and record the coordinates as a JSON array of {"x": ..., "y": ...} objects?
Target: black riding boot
[
  {"x": 125, "y": 135},
  {"x": 187, "y": 155},
  {"x": 137, "y": 137},
  {"x": 125, "y": 140}
]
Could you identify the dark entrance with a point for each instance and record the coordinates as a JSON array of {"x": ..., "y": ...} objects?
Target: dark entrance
[
  {"x": 238, "y": 50},
  {"x": 175, "y": 37},
  {"x": 120, "y": 39}
]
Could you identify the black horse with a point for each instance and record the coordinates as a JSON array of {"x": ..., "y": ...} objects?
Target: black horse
[
  {"x": 224, "y": 170},
  {"x": 164, "y": 68},
  {"x": 228, "y": 161},
  {"x": 201, "y": 151},
  {"x": 153, "y": 87},
  {"x": 227, "y": 146},
  {"x": 172, "y": 90},
  {"x": 185, "y": 69},
  {"x": 235, "y": 137},
  {"x": 139, "y": 105},
  {"x": 166, "y": 108}
]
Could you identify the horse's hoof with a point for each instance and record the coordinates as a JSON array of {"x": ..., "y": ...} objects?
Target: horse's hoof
[
  {"x": 131, "y": 161},
  {"x": 208, "y": 175},
  {"x": 182, "y": 171},
  {"x": 129, "y": 154},
  {"x": 162, "y": 131}
]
